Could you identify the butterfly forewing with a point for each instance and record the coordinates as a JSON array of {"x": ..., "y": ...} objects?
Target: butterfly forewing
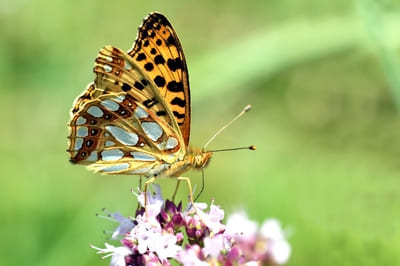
[
  {"x": 158, "y": 50},
  {"x": 134, "y": 119},
  {"x": 116, "y": 71}
]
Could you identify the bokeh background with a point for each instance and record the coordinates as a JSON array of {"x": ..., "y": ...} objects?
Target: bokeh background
[{"x": 323, "y": 78}]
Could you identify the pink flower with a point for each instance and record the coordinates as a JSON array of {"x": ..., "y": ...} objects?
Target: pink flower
[
  {"x": 214, "y": 246},
  {"x": 165, "y": 233},
  {"x": 265, "y": 245}
]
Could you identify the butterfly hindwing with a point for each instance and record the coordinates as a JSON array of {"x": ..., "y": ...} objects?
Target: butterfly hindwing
[{"x": 114, "y": 134}]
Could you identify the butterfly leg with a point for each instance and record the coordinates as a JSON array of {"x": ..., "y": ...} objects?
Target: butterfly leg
[
  {"x": 140, "y": 182},
  {"x": 176, "y": 189},
  {"x": 187, "y": 180}
]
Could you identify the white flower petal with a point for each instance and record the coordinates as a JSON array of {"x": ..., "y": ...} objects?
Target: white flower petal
[
  {"x": 280, "y": 252},
  {"x": 118, "y": 259},
  {"x": 272, "y": 229},
  {"x": 118, "y": 254},
  {"x": 238, "y": 224}
]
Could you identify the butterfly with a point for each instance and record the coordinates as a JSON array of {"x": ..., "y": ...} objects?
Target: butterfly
[{"x": 134, "y": 119}]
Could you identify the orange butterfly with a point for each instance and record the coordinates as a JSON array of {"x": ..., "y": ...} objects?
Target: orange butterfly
[{"x": 135, "y": 117}]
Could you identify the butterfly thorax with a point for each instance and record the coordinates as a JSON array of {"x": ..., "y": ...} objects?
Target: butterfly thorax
[{"x": 193, "y": 159}]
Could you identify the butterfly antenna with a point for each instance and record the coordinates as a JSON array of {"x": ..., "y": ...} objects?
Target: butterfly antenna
[
  {"x": 245, "y": 110},
  {"x": 252, "y": 147}
]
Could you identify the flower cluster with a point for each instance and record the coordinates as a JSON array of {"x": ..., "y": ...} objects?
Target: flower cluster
[{"x": 166, "y": 232}]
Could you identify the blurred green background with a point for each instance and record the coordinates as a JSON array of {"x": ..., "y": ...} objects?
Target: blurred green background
[{"x": 323, "y": 78}]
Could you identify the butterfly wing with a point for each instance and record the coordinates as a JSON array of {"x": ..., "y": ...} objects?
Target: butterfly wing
[
  {"x": 157, "y": 48},
  {"x": 115, "y": 134},
  {"x": 128, "y": 120}
]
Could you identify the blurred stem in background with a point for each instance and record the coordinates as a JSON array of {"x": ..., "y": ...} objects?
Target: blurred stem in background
[
  {"x": 380, "y": 36},
  {"x": 273, "y": 50}
]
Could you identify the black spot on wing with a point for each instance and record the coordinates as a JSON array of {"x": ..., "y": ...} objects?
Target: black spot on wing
[
  {"x": 89, "y": 143},
  {"x": 138, "y": 85},
  {"x": 126, "y": 87},
  {"x": 150, "y": 102},
  {"x": 159, "y": 59},
  {"x": 94, "y": 132},
  {"x": 174, "y": 64},
  {"x": 149, "y": 66},
  {"x": 171, "y": 41},
  {"x": 141, "y": 57},
  {"x": 178, "y": 115},
  {"x": 174, "y": 86},
  {"x": 161, "y": 113},
  {"x": 160, "y": 81},
  {"x": 178, "y": 101}
]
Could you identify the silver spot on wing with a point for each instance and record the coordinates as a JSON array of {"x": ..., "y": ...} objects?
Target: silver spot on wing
[
  {"x": 139, "y": 171},
  {"x": 152, "y": 130},
  {"x": 110, "y": 105},
  {"x": 78, "y": 144},
  {"x": 171, "y": 143},
  {"x": 80, "y": 121},
  {"x": 114, "y": 167},
  {"x": 92, "y": 158},
  {"x": 109, "y": 143},
  {"x": 141, "y": 156},
  {"x": 123, "y": 136},
  {"x": 107, "y": 68},
  {"x": 111, "y": 155},
  {"x": 140, "y": 112},
  {"x": 95, "y": 111},
  {"x": 82, "y": 132}
]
